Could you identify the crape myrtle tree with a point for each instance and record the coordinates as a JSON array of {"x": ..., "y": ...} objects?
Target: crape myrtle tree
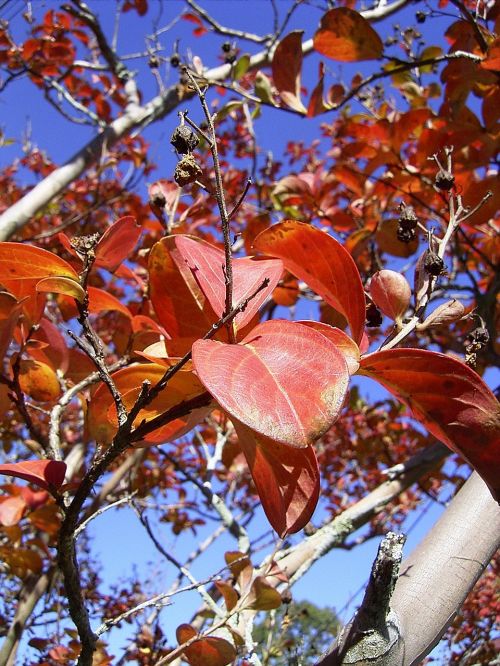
[{"x": 154, "y": 354}]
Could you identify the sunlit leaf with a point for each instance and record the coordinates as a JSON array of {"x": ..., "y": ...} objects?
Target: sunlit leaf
[
  {"x": 19, "y": 261},
  {"x": 449, "y": 399},
  {"x": 341, "y": 340},
  {"x": 43, "y": 473},
  {"x": 286, "y": 478},
  {"x": 38, "y": 380},
  {"x": 117, "y": 243},
  {"x": 322, "y": 263},
  {"x": 256, "y": 382},
  {"x": 287, "y": 67},
  {"x": 206, "y": 263},
  {"x": 345, "y": 35},
  {"x": 264, "y": 596},
  {"x": 226, "y": 589},
  {"x": 11, "y": 510},
  {"x": 101, "y": 301},
  {"x": 102, "y": 421},
  {"x": 61, "y": 285},
  {"x": 21, "y": 561}
]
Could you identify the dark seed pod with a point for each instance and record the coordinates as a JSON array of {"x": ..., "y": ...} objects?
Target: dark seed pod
[
  {"x": 187, "y": 171},
  {"x": 420, "y": 16},
  {"x": 373, "y": 316},
  {"x": 407, "y": 218},
  {"x": 230, "y": 58},
  {"x": 478, "y": 336},
  {"x": 444, "y": 180},
  {"x": 158, "y": 200},
  {"x": 226, "y": 47},
  {"x": 405, "y": 235},
  {"x": 433, "y": 263},
  {"x": 175, "y": 60},
  {"x": 153, "y": 62},
  {"x": 184, "y": 140}
]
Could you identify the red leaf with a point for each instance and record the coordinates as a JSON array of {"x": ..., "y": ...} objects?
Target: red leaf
[
  {"x": 316, "y": 102},
  {"x": 341, "y": 340},
  {"x": 322, "y": 262},
  {"x": 7, "y": 328},
  {"x": 117, "y": 243},
  {"x": 257, "y": 381},
  {"x": 450, "y": 399},
  {"x": 345, "y": 35},
  {"x": 206, "y": 263},
  {"x": 43, "y": 473},
  {"x": 287, "y": 479},
  {"x": 287, "y": 67}
]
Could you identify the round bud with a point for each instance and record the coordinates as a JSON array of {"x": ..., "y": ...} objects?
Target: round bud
[{"x": 391, "y": 293}]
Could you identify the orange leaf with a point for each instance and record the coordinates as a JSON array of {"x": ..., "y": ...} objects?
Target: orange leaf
[
  {"x": 209, "y": 651},
  {"x": 100, "y": 301},
  {"x": 20, "y": 561},
  {"x": 286, "y": 68},
  {"x": 7, "y": 327},
  {"x": 256, "y": 381},
  {"x": 345, "y": 35},
  {"x": 101, "y": 415},
  {"x": 11, "y": 510},
  {"x": 43, "y": 473},
  {"x": 61, "y": 285},
  {"x": 117, "y": 243},
  {"x": 27, "y": 262},
  {"x": 286, "y": 478},
  {"x": 323, "y": 264},
  {"x": 38, "y": 380},
  {"x": 449, "y": 399}
]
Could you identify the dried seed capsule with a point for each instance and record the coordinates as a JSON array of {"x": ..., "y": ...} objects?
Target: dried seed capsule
[
  {"x": 187, "y": 171},
  {"x": 433, "y": 263},
  {"x": 479, "y": 336},
  {"x": 153, "y": 62},
  {"x": 226, "y": 47},
  {"x": 183, "y": 139},
  {"x": 175, "y": 60},
  {"x": 444, "y": 180},
  {"x": 407, "y": 218}
]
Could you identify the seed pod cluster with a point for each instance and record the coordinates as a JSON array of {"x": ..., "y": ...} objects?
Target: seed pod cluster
[{"x": 230, "y": 52}]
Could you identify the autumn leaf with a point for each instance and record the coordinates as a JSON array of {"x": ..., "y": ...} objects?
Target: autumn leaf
[
  {"x": 346, "y": 36},
  {"x": 206, "y": 264},
  {"x": 256, "y": 381},
  {"x": 117, "y": 243},
  {"x": 206, "y": 651},
  {"x": 286, "y": 478},
  {"x": 11, "y": 510},
  {"x": 322, "y": 263},
  {"x": 42, "y": 473},
  {"x": 286, "y": 67},
  {"x": 19, "y": 261},
  {"x": 449, "y": 399},
  {"x": 61, "y": 285},
  {"x": 101, "y": 301},
  {"x": 38, "y": 380}
]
